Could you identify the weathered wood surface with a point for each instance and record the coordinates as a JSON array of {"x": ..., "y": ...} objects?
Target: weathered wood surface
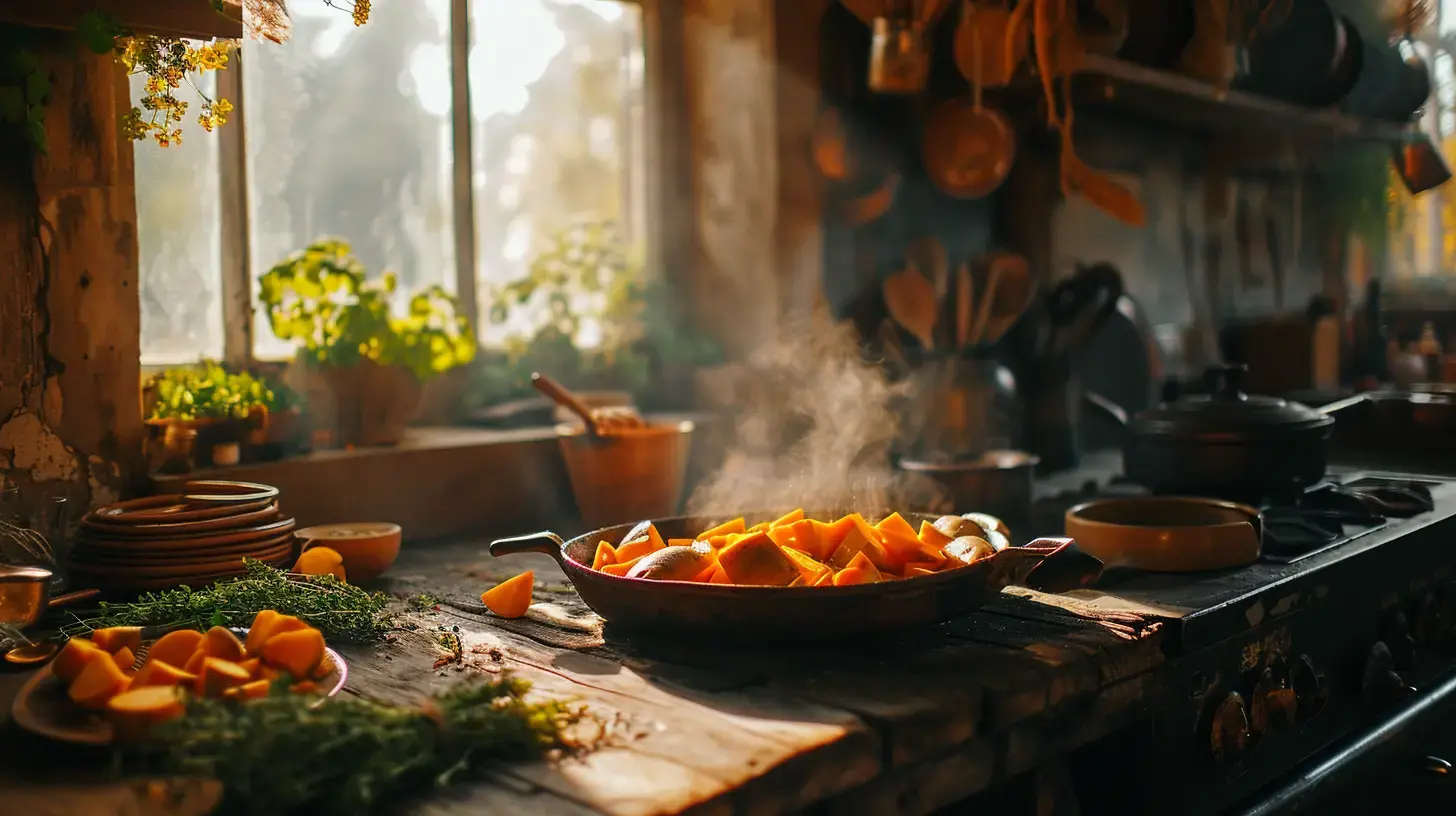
[
  {"x": 906, "y": 724},
  {"x": 173, "y": 18}
]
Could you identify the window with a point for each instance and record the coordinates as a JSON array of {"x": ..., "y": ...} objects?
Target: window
[
  {"x": 179, "y": 241},
  {"x": 347, "y": 131},
  {"x": 1423, "y": 234},
  {"x": 556, "y": 103}
]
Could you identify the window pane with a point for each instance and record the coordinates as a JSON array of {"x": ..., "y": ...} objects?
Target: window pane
[
  {"x": 178, "y": 239},
  {"x": 349, "y": 135},
  {"x": 556, "y": 95}
]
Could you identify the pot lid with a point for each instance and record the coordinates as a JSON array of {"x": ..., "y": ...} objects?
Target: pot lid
[{"x": 1226, "y": 409}]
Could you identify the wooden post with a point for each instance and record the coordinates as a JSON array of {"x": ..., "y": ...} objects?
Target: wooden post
[{"x": 70, "y": 418}]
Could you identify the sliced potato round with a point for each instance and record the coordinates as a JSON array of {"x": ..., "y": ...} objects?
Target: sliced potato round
[{"x": 969, "y": 549}]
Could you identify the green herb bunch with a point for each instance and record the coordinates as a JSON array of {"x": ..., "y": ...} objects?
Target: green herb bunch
[
  {"x": 344, "y": 613},
  {"x": 206, "y": 390},
  {"x": 321, "y": 300},
  {"x": 288, "y": 753}
]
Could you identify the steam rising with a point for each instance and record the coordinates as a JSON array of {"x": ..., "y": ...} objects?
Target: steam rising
[{"x": 816, "y": 427}]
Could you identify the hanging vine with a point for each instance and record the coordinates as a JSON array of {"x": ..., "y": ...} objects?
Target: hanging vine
[{"x": 166, "y": 62}]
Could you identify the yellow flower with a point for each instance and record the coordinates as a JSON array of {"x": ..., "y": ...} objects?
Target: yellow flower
[{"x": 361, "y": 12}]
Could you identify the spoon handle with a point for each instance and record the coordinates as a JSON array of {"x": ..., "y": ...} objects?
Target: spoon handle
[{"x": 559, "y": 395}]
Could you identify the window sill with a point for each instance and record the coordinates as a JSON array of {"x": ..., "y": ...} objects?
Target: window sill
[{"x": 440, "y": 481}]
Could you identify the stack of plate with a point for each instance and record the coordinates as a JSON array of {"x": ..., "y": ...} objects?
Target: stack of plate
[{"x": 191, "y": 538}]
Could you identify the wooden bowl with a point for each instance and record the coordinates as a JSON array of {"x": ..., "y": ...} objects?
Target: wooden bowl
[{"x": 368, "y": 548}]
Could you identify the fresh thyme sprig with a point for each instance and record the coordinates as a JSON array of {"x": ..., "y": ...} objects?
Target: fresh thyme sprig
[
  {"x": 344, "y": 613},
  {"x": 288, "y": 753}
]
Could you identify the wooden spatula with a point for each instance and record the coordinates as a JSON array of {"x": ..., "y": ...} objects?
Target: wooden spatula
[{"x": 910, "y": 299}]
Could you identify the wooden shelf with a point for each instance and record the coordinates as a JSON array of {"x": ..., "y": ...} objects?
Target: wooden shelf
[
  {"x": 194, "y": 19},
  {"x": 1196, "y": 106}
]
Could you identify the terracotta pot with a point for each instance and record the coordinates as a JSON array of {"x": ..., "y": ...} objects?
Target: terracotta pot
[{"x": 372, "y": 404}]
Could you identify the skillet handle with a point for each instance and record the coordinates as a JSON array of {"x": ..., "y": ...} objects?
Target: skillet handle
[
  {"x": 72, "y": 597},
  {"x": 1062, "y": 568},
  {"x": 543, "y": 542}
]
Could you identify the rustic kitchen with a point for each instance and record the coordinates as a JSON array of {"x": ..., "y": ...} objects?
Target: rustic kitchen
[{"x": 639, "y": 407}]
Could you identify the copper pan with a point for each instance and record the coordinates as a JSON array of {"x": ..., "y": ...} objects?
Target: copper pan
[{"x": 760, "y": 613}]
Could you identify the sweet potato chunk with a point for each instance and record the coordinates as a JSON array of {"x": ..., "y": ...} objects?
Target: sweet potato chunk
[
  {"x": 509, "y": 599},
  {"x": 194, "y": 663},
  {"x": 101, "y": 680},
  {"x": 221, "y": 643},
  {"x": 266, "y": 624},
  {"x": 113, "y": 638},
  {"x": 134, "y": 712},
  {"x": 787, "y": 518},
  {"x": 757, "y": 560},
  {"x": 297, "y": 653},
  {"x": 806, "y": 539},
  {"x": 251, "y": 690},
  {"x": 218, "y": 675},
  {"x": 859, "y": 571},
  {"x": 856, "y": 542},
  {"x": 605, "y": 554},
  {"x": 809, "y": 569},
  {"x": 932, "y": 535},
  {"x": 320, "y": 561},
  {"x": 634, "y": 548},
  {"x": 124, "y": 658},
  {"x": 158, "y": 673},
  {"x": 176, "y": 647},
  {"x": 902, "y": 543},
  {"x": 621, "y": 568},
  {"x": 74, "y": 657},
  {"x": 734, "y": 527}
]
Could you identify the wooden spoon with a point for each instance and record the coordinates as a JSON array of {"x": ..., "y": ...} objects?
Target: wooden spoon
[
  {"x": 965, "y": 304},
  {"x": 558, "y": 394},
  {"x": 910, "y": 299},
  {"x": 1013, "y": 295}
]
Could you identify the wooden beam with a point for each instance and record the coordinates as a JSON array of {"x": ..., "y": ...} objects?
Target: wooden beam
[{"x": 194, "y": 19}]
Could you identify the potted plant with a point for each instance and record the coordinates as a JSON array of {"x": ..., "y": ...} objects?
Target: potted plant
[
  {"x": 220, "y": 407},
  {"x": 575, "y": 315},
  {"x": 373, "y": 362}
]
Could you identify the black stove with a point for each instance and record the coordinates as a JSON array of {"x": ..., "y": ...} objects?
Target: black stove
[{"x": 1346, "y": 622}]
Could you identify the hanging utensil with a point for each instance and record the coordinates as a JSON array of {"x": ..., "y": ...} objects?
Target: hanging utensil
[
  {"x": 1013, "y": 295},
  {"x": 969, "y": 149},
  {"x": 981, "y": 40},
  {"x": 910, "y": 300},
  {"x": 965, "y": 304},
  {"x": 873, "y": 205},
  {"x": 988, "y": 295},
  {"x": 899, "y": 52},
  {"x": 829, "y": 145}
]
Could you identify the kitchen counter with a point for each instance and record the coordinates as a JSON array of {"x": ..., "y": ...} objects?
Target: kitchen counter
[{"x": 906, "y": 724}]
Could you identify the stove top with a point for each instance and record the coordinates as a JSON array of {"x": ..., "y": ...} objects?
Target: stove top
[{"x": 1319, "y": 538}]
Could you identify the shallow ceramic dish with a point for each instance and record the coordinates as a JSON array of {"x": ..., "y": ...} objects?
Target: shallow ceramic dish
[
  {"x": 180, "y": 569},
  {"x": 110, "y": 526},
  {"x": 257, "y": 532},
  {"x": 43, "y": 708},
  {"x": 368, "y": 548},
  {"x": 159, "y": 557},
  {"x": 1167, "y": 534}
]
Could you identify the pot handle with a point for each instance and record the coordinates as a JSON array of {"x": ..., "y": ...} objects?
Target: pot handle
[
  {"x": 1050, "y": 565},
  {"x": 72, "y": 597},
  {"x": 544, "y": 541}
]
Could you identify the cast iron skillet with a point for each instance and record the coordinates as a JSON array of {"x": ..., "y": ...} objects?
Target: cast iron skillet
[{"x": 728, "y": 612}]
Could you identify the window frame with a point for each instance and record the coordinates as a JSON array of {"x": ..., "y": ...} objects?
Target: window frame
[{"x": 666, "y": 180}]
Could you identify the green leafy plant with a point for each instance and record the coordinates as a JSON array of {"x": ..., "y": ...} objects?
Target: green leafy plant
[
  {"x": 341, "y": 611},
  {"x": 25, "y": 87},
  {"x": 204, "y": 391},
  {"x": 321, "y": 300},
  {"x": 586, "y": 282}
]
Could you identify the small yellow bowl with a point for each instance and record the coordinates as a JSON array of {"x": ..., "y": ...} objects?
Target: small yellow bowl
[{"x": 368, "y": 548}]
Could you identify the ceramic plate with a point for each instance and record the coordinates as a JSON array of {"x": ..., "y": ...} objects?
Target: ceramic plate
[
  {"x": 187, "y": 542},
  {"x": 43, "y": 708},
  {"x": 99, "y": 558},
  {"x": 102, "y": 527}
]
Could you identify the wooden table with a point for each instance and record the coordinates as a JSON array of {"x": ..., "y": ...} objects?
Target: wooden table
[{"x": 904, "y": 725}]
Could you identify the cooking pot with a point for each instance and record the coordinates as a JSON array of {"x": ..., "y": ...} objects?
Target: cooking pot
[{"x": 1226, "y": 444}]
